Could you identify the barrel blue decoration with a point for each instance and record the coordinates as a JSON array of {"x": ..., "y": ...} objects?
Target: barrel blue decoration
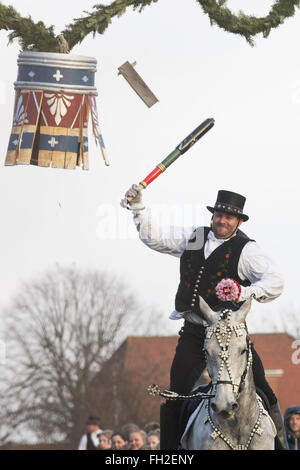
[{"x": 55, "y": 96}]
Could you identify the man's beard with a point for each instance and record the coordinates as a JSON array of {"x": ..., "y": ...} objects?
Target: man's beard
[{"x": 219, "y": 229}]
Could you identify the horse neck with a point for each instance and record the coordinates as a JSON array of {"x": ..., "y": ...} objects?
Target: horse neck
[{"x": 247, "y": 398}]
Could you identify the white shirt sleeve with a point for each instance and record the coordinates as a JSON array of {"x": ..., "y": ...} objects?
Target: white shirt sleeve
[
  {"x": 266, "y": 281},
  {"x": 171, "y": 240},
  {"x": 82, "y": 443}
]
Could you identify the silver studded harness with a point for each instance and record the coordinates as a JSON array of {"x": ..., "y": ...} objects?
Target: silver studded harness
[{"x": 223, "y": 334}]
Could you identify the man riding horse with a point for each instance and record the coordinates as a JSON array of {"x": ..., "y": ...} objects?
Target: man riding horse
[{"x": 207, "y": 256}]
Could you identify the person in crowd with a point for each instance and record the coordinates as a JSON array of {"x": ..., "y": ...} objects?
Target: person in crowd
[
  {"x": 137, "y": 440},
  {"x": 105, "y": 439},
  {"x": 153, "y": 440},
  {"x": 152, "y": 426},
  {"x": 126, "y": 430},
  {"x": 292, "y": 426},
  {"x": 118, "y": 441},
  {"x": 90, "y": 440}
]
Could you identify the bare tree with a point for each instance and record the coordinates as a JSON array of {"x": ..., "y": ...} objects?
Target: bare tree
[
  {"x": 60, "y": 330},
  {"x": 4, "y": 432}
]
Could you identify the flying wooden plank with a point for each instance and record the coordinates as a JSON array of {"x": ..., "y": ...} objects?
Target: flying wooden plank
[{"x": 138, "y": 84}]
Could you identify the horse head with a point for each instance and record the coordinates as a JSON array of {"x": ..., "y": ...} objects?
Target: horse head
[{"x": 228, "y": 355}]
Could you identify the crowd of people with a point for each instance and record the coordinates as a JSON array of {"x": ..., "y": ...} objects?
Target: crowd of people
[
  {"x": 132, "y": 437},
  {"x": 129, "y": 437}
]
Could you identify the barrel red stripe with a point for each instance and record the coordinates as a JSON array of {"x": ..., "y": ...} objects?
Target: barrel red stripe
[{"x": 152, "y": 176}]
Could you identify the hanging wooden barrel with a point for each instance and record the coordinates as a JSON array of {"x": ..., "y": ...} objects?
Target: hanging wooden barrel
[{"x": 55, "y": 95}]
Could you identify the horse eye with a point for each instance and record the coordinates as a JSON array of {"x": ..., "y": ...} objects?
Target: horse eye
[{"x": 244, "y": 350}]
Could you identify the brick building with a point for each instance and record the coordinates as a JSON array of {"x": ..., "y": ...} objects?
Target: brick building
[{"x": 142, "y": 361}]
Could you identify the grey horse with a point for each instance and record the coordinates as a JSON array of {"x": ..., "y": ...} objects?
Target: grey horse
[{"x": 235, "y": 418}]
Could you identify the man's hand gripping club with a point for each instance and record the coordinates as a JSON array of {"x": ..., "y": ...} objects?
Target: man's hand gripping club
[{"x": 133, "y": 200}]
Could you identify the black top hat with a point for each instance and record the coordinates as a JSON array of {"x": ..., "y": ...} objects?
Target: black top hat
[
  {"x": 93, "y": 420},
  {"x": 231, "y": 203}
]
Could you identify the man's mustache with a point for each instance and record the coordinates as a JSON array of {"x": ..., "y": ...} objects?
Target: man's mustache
[{"x": 219, "y": 224}]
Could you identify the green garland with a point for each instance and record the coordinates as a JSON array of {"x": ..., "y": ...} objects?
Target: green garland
[
  {"x": 32, "y": 36},
  {"x": 98, "y": 21},
  {"x": 37, "y": 37},
  {"x": 248, "y": 26}
]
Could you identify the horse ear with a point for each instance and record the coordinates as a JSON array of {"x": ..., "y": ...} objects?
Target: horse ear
[
  {"x": 208, "y": 314},
  {"x": 244, "y": 310}
]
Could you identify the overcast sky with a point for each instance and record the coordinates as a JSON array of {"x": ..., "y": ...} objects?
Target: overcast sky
[{"x": 197, "y": 71}]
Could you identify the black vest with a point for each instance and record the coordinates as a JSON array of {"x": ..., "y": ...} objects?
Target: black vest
[
  {"x": 90, "y": 444},
  {"x": 200, "y": 276}
]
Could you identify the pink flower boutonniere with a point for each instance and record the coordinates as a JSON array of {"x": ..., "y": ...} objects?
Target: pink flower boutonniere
[{"x": 228, "y": 290}]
